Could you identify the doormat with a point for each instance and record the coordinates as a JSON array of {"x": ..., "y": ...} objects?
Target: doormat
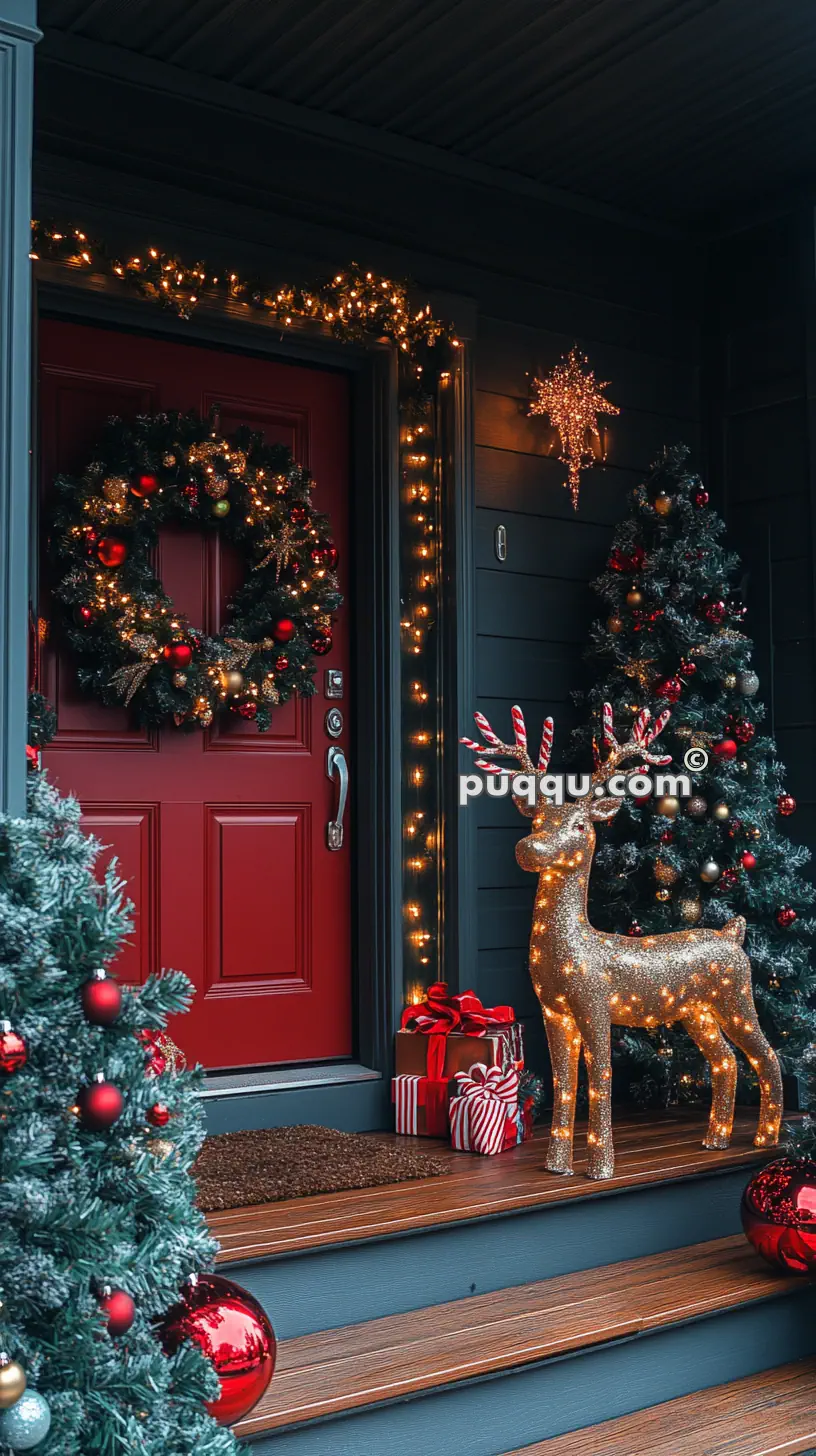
[{"x": 237, "y": 1169}]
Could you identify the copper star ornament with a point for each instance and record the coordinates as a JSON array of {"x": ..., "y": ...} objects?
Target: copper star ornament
[{"x": 573, "y": 399}]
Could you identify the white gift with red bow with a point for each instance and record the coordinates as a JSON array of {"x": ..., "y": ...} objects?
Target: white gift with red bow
[{"x": 484, "y": 1116}]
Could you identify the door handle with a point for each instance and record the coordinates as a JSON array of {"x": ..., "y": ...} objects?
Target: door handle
[{"x": 336, "y": 764}]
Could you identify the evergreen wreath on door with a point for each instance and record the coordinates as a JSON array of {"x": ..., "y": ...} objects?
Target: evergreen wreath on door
[{"x": 133, "y": 646}]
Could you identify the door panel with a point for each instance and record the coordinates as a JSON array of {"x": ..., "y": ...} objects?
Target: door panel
[{"x": 221, "y": 834}]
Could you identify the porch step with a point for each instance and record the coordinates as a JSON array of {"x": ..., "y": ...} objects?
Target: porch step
[
  {"x": 493, "y": 1223},
  {"x": 771, "y": 1414},
  {"x": 489, "y": 1372}
]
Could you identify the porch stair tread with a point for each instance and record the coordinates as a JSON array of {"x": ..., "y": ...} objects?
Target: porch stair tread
[
  {"x": 770, "y": 1414},
  {"x": 649, "y": 1150},
  {"x": 400, "y": 1356}
]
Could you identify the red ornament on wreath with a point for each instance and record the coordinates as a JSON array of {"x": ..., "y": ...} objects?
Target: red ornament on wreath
[
  {"x": 284, "y": 629},
  {"x": 247, "y": 710},
  {"x": 726, "y": 749},
  {"x": 233, "y": 1331},
  {"x": 144, "y": 485},
  {"x": 786, "y": 804},
  {"x": 179, "y": 654},
  {"x": 101, "y": 999},
  {"x": 299, "y": 515},
  {"x": 120, "y": 1310},
  {"x": 281, "y": 663},
  {"x": 13, "y": 1050},
  {"x": 785, "y": 917},
  {"x": 779, "y": 1214},
  {"x": 111, "y": 551},
  {"x": 100, "y": 1105},
  {"x": 322, "y": 643}
]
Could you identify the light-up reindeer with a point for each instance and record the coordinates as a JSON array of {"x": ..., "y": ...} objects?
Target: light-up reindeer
[{"x": 587, "y": 980}]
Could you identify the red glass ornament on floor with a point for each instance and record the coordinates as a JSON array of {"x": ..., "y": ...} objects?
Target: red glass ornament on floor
[
  {"x": 101, "y": 999},
  {"x": 748, "y": 860},
  {"x": 158, "y": 1115},
  {"x": 786, "y": 804},
  {"x": 233, "y": 1331},
  {"x": 180, "y": 654},
  {"x": 779, "y": 1214},
  {"x": 13, "y": 1050},
  {"x": 100, "y": 1106},
  {"x": 785, "y": 916},
  {"x": 120, "y": 1309},
  {"x": 284, "y": 629},
  {"x": 669, "y": 688},
  {"x": 725, "y": 749},
  {"x": 111, "y": 551},
  {"x": 144, "y": 485},
  {"x": 700, "y": 498}
]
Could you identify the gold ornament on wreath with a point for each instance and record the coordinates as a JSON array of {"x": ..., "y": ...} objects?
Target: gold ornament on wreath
[
  {"x": 133, "y": 646},
  {"x": 588, "y": 980}
]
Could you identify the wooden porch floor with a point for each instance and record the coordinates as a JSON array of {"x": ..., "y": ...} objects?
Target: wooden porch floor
[{"x": 650, "y": 1149}]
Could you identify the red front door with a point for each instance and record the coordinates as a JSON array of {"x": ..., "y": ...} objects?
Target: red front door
[{"x": 221, "y": 834}]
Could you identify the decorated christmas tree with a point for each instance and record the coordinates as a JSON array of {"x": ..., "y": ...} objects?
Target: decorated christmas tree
[
  {"x": 98, "y": 1132},
  {"x": 672, "y": 636}
]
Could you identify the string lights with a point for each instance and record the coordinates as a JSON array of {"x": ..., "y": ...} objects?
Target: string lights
[
  {"x": 354, "y": 305},
  {"x": 573, "y": 399}
]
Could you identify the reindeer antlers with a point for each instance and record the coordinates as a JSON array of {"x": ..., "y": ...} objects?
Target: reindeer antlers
[
  {"x": 642, "y": 735},
  {"x": 518, "y": 749}
]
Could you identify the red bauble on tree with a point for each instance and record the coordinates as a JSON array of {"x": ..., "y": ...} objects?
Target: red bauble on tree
[
  {"x": 669, "y": 688},
  {"x": 713, "y": 609},
  {"x": 233, "y": 1331},
  {"x": 120, "y": 1310},
  {"x": 284, "y": 629},
  {"x": 144, "y": 484},
  {"x": 748, "y": 860},
  {"x": 740, "y": 728},
  {"x": 725, "y": 749},
  {"x": 101, "y": 999},
  {"x": 13, "y": 1050},
  {"x": 728, "y": 879},
  {"x": 325, "y": 554},
  {"x": 100, "y": 1105},
  {"x": 786, "y": 804},
  {"x": 158, "y": 1115},
  {"x": 111, "y": 551},
  {"x": 779, "y": 1214},
  {"x": 299, "y": 515},
  {"x": 179, "y": 654},
  {"x": 627, "y": 560},
  {"x": 785, "y": 916}
]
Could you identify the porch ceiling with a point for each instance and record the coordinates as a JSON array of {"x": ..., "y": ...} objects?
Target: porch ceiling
[{"x": 674, "y": 109}]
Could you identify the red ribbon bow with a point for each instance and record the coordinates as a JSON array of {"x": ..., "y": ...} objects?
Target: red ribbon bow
[
  {"x": 487, "y": 1100},
  {"x": 440, "y": 1014}
]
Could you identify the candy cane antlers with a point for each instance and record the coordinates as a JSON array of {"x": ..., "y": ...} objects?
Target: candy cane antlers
[{"x": 518, "y": 749}]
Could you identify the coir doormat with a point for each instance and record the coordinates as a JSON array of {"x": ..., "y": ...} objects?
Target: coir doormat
[{"x": 237, "y": 1169}]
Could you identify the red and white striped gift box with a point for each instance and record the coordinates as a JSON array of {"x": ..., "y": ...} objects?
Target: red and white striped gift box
[
  {"x": 485, "y": 1110},
  {"x": 407, "y": 1094}
]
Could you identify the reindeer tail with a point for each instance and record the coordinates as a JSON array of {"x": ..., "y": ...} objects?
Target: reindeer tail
[{"x": 734, "y": 929}]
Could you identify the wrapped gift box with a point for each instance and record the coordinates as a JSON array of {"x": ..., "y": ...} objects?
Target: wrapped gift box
[
  {"x": 485, "y": 1116},
  {"x": 421, "y": 1106},
  {"x": 503, "y": 1048}
]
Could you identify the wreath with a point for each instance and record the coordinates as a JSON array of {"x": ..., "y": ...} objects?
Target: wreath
[{"x": 133, "y": 646}]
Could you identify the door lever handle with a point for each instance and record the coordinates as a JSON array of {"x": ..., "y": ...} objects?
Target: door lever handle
[{"x": 336, "y": 764}]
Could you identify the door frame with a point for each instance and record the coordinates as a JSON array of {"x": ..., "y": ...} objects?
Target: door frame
[{"x": 377, "y": 870}]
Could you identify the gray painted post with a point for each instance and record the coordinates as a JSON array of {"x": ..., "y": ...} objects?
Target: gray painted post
[{"x": 18, "y": 35}]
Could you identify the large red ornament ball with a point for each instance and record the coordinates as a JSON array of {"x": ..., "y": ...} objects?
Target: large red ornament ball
[
  {"x": 231, "y": 1328},
  {"x": 725, "y": 749},
  {"x": 120, "y": 1309},
  {"x": 158, "y": 1115},
  {"x": 144, "y": 484},
  {"x": 748, "y": 860},
  {"x": 700, "y": 497},
  {"x": 786, "y": 804},
  {"x": 785, "y": 916},
  {"x": 100, "y": 1106},
  {"x": 284, "y": 629},
  {"x": 101, "y": 999},
  {"x": 179, "y": 654},
  {"x": 111, "y": 551},
  {"x": 669, "y": 688},
  {"x": 13, "y": 1050},
  {"x": 779, "y": 1214}
]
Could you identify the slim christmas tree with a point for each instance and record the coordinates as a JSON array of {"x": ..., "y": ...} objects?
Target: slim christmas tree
[
  {"x": 98, "y": 1228},
  {"x": 672, "y": 636}
]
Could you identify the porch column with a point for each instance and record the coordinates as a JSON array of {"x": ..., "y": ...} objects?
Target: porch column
[{"x": 18, "y": 35}]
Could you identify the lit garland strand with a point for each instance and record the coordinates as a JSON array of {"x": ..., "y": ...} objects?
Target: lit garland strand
[
  {"x": 572, "y": 398},
  {"x": 355, "y": 305}
]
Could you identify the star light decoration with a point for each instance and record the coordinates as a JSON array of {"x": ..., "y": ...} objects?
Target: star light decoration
[{"x": 572, "y": 397}]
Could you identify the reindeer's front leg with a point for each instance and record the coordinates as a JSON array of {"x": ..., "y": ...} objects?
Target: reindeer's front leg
[
  {"x": 564, "y": 1040},
  {"x": 595, "y": 1028}
]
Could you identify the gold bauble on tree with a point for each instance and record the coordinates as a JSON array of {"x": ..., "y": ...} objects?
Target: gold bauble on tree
[
  {"x": 721, "y": 811},
  {"x": 690, "y": 908},
  {"x": 233, "y": 681},
  {"x": 665, "y": 873},
  {"x": 634, "y": 597},
  {"x": 115, "y": 490},
  {"x": 12, "y": 1382},
  {"x": 663, "y": 895},
  {"x": 730, "y": 681},
  {"x": 663, "y": 503},
  {"x": 615, "y": 624},
  {"x": 668, "y": 806}
]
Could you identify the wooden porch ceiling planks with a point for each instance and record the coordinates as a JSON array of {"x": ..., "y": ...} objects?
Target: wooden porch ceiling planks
[
  {"x": 770, "y": 1414},
  {"x": 649, "y": 1150},
  {"x": 387, "y": 1359}
]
